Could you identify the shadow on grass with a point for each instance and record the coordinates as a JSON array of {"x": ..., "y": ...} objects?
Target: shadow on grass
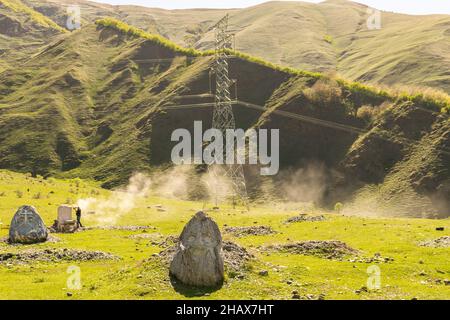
[{"x": 192, "y": 291}]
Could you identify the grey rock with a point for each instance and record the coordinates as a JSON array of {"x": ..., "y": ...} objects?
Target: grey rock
[
  {"x": 198, "y": 260},
  {"x": 27, "y": 227},
  {"x": 263, "y": 273}
]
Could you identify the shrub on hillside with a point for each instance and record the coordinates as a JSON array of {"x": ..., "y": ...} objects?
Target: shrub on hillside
[
  {"x": 365, "y": 113},
  {"x": 368, "y": 113},
  {"x": 324, "y": 92}
]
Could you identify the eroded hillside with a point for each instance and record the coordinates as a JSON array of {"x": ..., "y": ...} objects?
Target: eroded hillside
[{"x": 97, "y": 103}]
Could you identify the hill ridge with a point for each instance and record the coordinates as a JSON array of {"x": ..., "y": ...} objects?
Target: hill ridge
[{"x": 441, "y": 104}]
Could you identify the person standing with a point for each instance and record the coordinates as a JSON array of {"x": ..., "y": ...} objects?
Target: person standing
[{"x": 78, "y": 213}]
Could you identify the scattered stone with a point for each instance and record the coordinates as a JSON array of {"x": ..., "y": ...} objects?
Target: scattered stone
[
  {"x": 331, "y": 249},
  {"x": 198, "y": 260},
  {"x": 377, "y": 258},
  {"x": 146, "y": 236},
  {"x": 54, "y": 255},
  {"x": 309, "y": 296},
  {"x": 440, "y": 229},
  {"x": 27, "y": 227},
  {"x": 121, "y": 228},
  {"x": 296, "y": 296},
  {"x": 168, "y": 242},
  {"x": 69, "y": 294},
  {"x": 442, "y": 242},
  {"x": 263, "y": 273},
  {"x": 305, "y": 218},
  {"x": 249, "y": 231},
  {"x": 235, "y": 256}
]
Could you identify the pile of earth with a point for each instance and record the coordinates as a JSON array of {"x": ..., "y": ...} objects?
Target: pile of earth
[
  {"x": 442, "y": 242},
  {"x": 54, "y": 255},
  {"x": 50, "y": 238},
  {"x": 234, "y": 256},
  {"x": 304, "y": 218},
  {"x": 330, "y": 249},
  {"x": 249, "y": 231}
]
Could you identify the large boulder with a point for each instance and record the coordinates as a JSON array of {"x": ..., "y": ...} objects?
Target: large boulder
[
  {"x": 27, "y": 227},
  {"x": 198, "y": 260}
]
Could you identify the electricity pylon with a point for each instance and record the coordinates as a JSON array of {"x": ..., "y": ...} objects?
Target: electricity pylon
[{"x": 223, "y": 117}]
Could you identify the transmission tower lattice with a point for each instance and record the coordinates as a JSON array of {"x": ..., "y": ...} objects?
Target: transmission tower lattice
[{"x": 223, "y": 117}]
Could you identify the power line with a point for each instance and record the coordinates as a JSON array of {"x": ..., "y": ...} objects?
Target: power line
[{"x": 312, "y": 120}]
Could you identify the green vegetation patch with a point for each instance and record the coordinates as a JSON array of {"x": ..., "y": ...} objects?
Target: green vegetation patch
[{"x": 19, "y": 6}]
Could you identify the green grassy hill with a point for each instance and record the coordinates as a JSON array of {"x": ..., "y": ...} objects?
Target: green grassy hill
[
  {"x": 411, "y": 271},
  {"x": 22, "y": 32},
  {"x": 92, "y": 105},
  {"x": 331, "y": 36}
]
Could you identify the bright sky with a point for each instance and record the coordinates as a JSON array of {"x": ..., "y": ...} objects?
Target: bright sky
[{"x": 403, "y": 6}]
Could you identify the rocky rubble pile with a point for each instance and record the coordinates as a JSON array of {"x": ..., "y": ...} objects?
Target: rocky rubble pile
[
  {"x": 442, "y": 242},
  {"x": 54, "y": 255},
  {"x": 249, "y": 231},
  {"x": 305, "y": 218},
  {"x": 331, "y": 249}
]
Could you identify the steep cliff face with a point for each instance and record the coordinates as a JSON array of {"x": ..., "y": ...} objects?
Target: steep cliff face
[{"x": 403, "y": 162}]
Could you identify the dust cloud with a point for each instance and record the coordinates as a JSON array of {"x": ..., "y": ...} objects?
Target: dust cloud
[
  {"x": 307, "y": 184},
  {"x": 108, "y": 210},
  {"x": 178, "y": 182}
]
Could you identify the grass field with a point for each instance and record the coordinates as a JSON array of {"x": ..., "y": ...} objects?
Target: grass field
[{"x": 414, "y": 273}]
